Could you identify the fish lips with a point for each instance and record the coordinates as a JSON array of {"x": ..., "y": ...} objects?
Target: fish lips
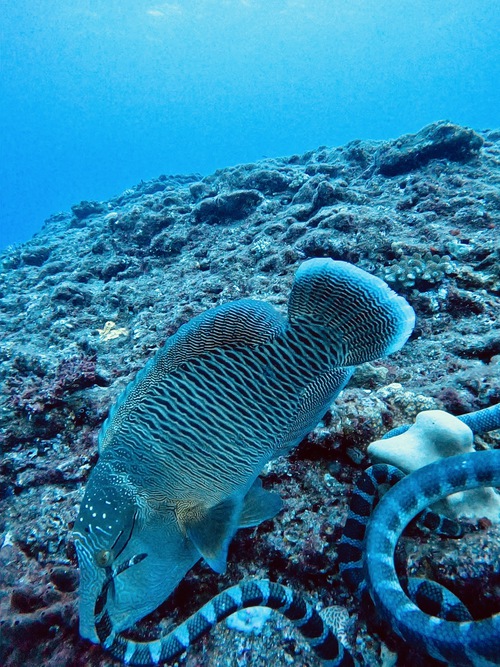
[{"x": 143, "y": 587}]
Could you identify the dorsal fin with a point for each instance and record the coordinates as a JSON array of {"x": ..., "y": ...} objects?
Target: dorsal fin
[
  {"x": 354, "y": 311},
  {"x": 240, "y": 323}
]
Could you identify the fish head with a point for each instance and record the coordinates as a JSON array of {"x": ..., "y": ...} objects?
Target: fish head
[{"x": 112, "y": 527}]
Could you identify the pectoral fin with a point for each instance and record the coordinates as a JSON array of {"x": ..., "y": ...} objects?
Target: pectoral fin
[
  {"x": 211, "y": 532},
  {"x": 259, "y": 505}
]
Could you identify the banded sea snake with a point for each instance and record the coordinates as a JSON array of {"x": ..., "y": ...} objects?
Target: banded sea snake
[{"x": 367, "y": 563}]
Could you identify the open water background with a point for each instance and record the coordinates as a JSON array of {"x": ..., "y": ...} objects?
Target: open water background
[{"x": 100, "y": 94}]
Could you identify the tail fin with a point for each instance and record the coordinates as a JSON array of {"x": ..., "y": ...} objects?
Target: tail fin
[{"x": 366, "y": 318}]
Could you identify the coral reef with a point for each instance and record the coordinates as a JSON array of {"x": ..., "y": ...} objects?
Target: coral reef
[
  {"x": 163, "y": 251},
  {"x": 442, "y": 140}
]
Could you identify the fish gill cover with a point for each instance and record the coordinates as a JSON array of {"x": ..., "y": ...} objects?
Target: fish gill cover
[{"x": 89, "y": 299}]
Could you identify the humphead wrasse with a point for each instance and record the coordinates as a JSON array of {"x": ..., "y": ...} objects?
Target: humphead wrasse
[{"x": 181, "y": 450}]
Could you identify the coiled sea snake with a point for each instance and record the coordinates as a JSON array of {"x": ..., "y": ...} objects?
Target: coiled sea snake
[
  {"x": 448, "y": 634},
  {"x": 367, "y": 561},
  {"x": 468, "y": 643},
  {"x": 351, "y": 549}
]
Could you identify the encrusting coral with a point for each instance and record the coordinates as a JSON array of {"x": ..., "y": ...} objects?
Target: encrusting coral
[{"x": 418, "y": 270}]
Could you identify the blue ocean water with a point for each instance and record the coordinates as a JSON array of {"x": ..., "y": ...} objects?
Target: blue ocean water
[{"x": 100, "y": 94}]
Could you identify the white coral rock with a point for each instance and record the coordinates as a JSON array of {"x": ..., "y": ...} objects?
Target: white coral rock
[{"x": 435, "y": 435}]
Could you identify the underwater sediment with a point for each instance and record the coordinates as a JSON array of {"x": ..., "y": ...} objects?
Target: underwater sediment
[{"x": 90, "y": 298}]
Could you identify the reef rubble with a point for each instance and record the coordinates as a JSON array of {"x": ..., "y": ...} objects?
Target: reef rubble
[{"x": 87, "y": 301}]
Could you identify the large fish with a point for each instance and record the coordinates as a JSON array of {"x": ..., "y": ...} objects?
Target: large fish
[{"x": 181, "y": 450}]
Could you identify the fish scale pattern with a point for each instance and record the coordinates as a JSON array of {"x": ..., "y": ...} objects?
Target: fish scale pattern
[
  {"x": 232, "y": 325},
  {"x": 188, "y": 408},
  {"x": 207, "y": 385},
  {"x": 232, "y": 389}
]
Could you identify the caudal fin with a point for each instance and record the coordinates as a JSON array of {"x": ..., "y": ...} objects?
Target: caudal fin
[{"x": 365, "y": 317}]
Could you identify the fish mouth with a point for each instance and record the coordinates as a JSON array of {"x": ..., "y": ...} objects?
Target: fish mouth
[{"x": 102, "y": 620}]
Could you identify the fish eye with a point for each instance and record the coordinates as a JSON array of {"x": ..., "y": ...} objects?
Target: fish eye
[{"x": 104, "y": 557}]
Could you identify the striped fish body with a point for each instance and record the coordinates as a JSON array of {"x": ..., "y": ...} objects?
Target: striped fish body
[{"x": 181, "y": 450}]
